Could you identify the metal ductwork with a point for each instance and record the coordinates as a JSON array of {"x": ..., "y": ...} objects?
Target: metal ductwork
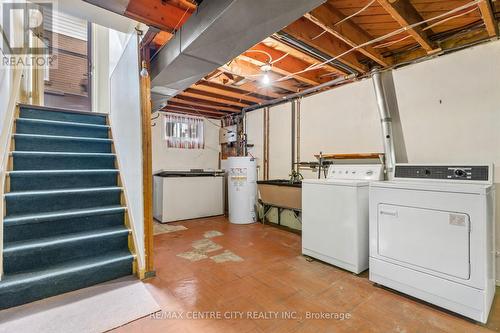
[
  {"x": 392, "y": 132},
  {"x": 218, "y": 32}
]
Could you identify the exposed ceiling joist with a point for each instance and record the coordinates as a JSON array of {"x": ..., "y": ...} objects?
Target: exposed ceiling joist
[
  {"x": 192, "y": 113},
  {"x": 196, "y": 102},
  {"x": 164, "y": 15},
  {"x": 194, "y": 110},
  {"x": 201, "y": 95},
  {"x": 406, "y": 15},
  {"x": 198, "y": 107},
  {"x": 326, "y": 16},
  {"x": 225, "y": 92},
  {"x": 309, "y": 33},
  {"x": 489, "y": 18},
  {"x": 277, "y": 44}
]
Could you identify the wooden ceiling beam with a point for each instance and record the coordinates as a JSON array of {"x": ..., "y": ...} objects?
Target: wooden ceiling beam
[
  {"x": 489, "y": 18},
  {"x": 192, "y": 113},
  {"x": 194, "y": 109},
  {"x": 326, "y": 16},
  {"x": 196, "y": 102},
  {"x": 238, "y": 89},
  {"x": 462, "y": 40},
  {"x": 406, "y": 15},
  {"x": 226, "y": 92},
  {"x": 199, "y": 107},
  {"x": 212, "y": 98},
  {"x": 309, "y": 33},
  {"x": 277, "y": 44},
  {"x": 160, "y": 14}
]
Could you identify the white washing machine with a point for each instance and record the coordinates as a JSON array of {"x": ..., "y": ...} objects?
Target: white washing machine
[
  {"x": 432, "y": 235},
  {"x": 335, "y": 215}
]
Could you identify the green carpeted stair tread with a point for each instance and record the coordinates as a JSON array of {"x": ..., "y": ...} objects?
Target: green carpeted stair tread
[
  {"x": 66, "y": 191},
  {"x": 62, "y": 138},
  {"x": 10, "y": 247},
  {"x": 56, "y": 143},
  {"x": 59, "y": 153},
  {"x": 59, "y": 215},
  {"x": 43, "y": 172},
  {"x": 39, "y": 160},
  {"x": 31, "y": 180},
  {"x": 65, "y": 268},
  {"x": 61, "y": 128},
  {"x": 20, "y": 288},
  {"x": 36, "y": 112},
  {"x": 62, "y": 123},
  {"x": 45, "y": 201},
  {"x": 44, "y": 252}
]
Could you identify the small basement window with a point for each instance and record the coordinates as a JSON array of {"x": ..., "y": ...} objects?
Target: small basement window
[{"x": 185, "y": 132}]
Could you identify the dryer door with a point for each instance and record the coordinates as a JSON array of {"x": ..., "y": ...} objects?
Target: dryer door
[{"x": 432, "y": 240}]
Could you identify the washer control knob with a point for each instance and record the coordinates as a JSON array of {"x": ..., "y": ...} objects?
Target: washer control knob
[{"x": 461, "y": 173}]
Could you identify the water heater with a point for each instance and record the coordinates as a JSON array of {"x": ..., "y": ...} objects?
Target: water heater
[{"x": 242, "y": 189}]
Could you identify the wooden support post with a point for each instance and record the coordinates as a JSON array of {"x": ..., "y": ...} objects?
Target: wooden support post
[{"x": 147, "y": 174}]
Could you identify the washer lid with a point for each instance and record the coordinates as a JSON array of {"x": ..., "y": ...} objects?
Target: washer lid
[
  {"x": 435, "y": 186},
  {"x": 337, "y": 182}
]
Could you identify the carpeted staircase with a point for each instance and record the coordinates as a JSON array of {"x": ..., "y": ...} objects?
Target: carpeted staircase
[{"x": 64, "y": 227}]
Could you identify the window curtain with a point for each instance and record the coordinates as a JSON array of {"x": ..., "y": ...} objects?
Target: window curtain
[{"x": 184, "y": 132}]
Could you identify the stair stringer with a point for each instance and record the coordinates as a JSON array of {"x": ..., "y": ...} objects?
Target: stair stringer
[{"x": 133, "y": 241}]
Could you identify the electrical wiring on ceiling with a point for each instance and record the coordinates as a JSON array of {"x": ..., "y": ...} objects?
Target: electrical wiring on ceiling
[
  {"x": 379, "y": 46},
  {"x": 355, "y": 14},
  {"x": 346, "y": 19},
  {"x": 426, "y": 28},
  {"x": 450, "y": 18},
  {"x": 280, "y": 58},
  {"x": 262, "y": 52},
  {"x": 391, "y": 34}
]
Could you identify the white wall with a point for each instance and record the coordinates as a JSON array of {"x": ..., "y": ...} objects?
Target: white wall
[
  {"x": 184, "y": 159},
  {"x": 450, "y": 107},
  {"x": 280, "y": 141},
  {"x": 255, "y": 125},
  {"x": 125, "y": 120},
  {"x": 101, "y": 68},
  {"x": 342, "y": 120}
]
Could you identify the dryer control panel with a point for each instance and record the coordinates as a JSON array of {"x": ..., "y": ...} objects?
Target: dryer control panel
[{"x": 467, "y": 173}]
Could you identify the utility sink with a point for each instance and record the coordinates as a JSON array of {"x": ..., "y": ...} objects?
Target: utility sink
[{"x": 281, "y": 193}]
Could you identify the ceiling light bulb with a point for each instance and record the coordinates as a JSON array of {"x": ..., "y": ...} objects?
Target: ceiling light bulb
[
  {"x": 266, "y": 80},
  {"x": 144, "y": 70}
]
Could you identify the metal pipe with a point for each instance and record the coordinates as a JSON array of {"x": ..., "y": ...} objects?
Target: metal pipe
[
  {"x": 298, "y": 135},
  {"x": 293, "y": 135},
  {"x": 284, "y": 99},
  {"x": 386, "y": 123},
  {"x": 294, "y": 42}
]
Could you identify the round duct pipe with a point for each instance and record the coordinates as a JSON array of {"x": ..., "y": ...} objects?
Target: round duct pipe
[{"x": 386, "y": 123}]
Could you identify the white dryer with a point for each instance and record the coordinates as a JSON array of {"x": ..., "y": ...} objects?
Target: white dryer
[
  {"x": 432, "y": 235},
  {"x": 335, "y": 215}
]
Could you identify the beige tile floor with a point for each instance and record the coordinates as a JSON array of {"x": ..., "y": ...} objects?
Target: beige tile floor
[{"x": 273, "y": 276}]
